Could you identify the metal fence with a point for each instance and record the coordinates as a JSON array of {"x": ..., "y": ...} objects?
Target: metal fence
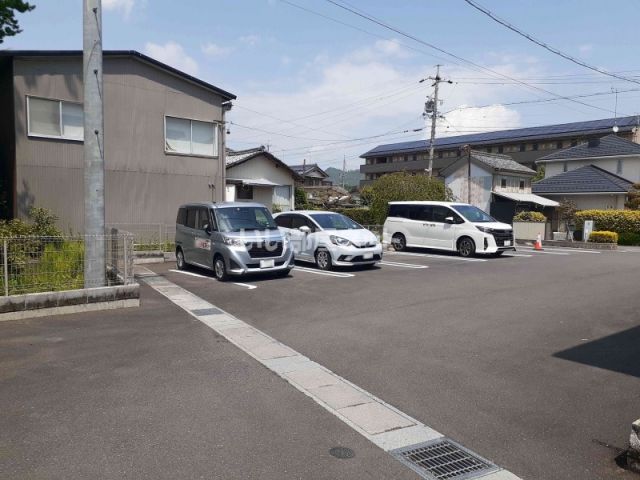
[
  {"x": 46, "y": 264},
  {"x": 149, "y": 236}
]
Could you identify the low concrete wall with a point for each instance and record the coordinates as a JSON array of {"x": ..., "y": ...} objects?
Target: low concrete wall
[
  {"x": 528, "y": 230},
  {"x": 570, "y": 244},
  {"x": 17, "y": 307}
]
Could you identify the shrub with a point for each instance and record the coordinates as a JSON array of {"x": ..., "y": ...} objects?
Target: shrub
[
  {"x": 403, "y": 186},
  {"x": 619, "y": 221},
  {"x": 300, "y": 198},
  {"x": 529, "y": 217},
  {"x": 633, "y": 201},
  {"x": 603, "y": 237},
  {"x": 43, "y": 224},
  {"x": 627, "y": 238},
  {"x": 361, "y": 215}
]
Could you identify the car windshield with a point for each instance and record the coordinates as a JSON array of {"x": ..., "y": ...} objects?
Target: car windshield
[
  {"x": 236, "y": 219},
  {"x": 473, "y": 214},
  {"x": 335, "y": 221}
]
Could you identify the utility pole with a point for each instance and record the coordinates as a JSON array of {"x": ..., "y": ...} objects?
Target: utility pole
[
  {"x": 344, "y": 168},
  {"x": 304, "y": 170},
  {"x": 431, "y": 110},
  {"x": 94, "y": 221}
]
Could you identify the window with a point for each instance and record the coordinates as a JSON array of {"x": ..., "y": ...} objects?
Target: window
[
  {"x": 401, "y": 211},
  {"x": 564, "y": 167},
  {"x": 283, "y": 221},
  {"x": 244, "y": 192},
  {"x": 415, "y": 157},
  {"x": 521, "y": 184},
  {"x": 503, "y": 182},
  {"x": 420, "y": 212},
  {"x": 559, "y": 145},
  {"x": 500, "y": 149},
  {"x": 619, "y": 167},
  {"x": 190, "y": 137},
  {"x": 203, "y": 219},
  {"x": 440, "y": 155},
  {"x": 191, "y": 218},
  {"x": 440, "y": 213},
  {"x": 237, "y": 219},
  {"x": 55, "y": 118},
  {"x": 523, "y": 147},
  {"x": 182, "y": 216},
  {"x": 534, "y": 146}
]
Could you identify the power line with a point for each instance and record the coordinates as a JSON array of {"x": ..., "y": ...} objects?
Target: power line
[
  {"x": 544, "y": 45},
  {"x": 383, "y": 24}
]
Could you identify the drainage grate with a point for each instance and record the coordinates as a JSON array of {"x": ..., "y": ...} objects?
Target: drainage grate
[
  {"x": 443, "y": 459},
  {"x": 342, "y": 452}
]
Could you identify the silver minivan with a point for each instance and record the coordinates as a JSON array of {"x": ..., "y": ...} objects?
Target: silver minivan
[{"x": 231, "y": 238}]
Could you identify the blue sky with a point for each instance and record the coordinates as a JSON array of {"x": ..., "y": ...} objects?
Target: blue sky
[{"x": 312, "y": 88}]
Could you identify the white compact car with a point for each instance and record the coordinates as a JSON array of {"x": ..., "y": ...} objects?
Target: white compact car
[
  {"x": 445, "y": 226},
  {"x": 329, "y": 238}
]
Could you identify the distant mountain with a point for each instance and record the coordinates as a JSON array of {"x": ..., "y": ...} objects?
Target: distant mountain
[{"x": 351, "y": 177}]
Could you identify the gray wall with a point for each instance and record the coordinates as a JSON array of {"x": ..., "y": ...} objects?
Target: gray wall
[
  {"x": 142, "y": 182},
  {"x": 7, "y": 144}
]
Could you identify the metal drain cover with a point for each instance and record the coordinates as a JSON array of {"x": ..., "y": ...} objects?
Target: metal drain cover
[
  {"x": 443, "y": 459},
  {"x": 342, "y": 452}
]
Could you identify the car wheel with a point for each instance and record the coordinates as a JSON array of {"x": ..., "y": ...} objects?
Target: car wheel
[
  {"x": 180, "y": 263},
  {"x": 466, "y": 247},
  {"x": 323, "y": 259},
  {"x": 399, "y": 242},
  {"x": 220, "y": 269}
]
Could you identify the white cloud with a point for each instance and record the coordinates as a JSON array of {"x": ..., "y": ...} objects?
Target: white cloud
[
  {"x": 172, "y": 54},
  {"x": 250, "y": 40},
  {"x": 124, "y": 6},
  {"x": 356, "y": 96},
  {"x": 382, "y": 49},
  {"x": 212, "y": 50},
  {"x": 585, "y": 49}
]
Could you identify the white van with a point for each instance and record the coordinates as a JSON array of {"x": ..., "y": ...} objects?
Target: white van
[{"x": 445, "y": 226}]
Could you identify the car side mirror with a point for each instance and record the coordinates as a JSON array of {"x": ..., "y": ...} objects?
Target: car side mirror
[
  {"x": 304, "y": 229},
  {"x": 449, "y": 220},
  {"x": 207, "y": 228}
]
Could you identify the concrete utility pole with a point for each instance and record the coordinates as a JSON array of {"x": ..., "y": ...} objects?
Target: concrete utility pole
[
  {"x": 226, "y": 107},
  {"x": 94, "y": 221},
  {"x": 431, "y": 110}
]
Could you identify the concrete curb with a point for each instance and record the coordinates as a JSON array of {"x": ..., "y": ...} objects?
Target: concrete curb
[
  {"x": 568, "y": 244},
  {"x": 17, "y": 307}
]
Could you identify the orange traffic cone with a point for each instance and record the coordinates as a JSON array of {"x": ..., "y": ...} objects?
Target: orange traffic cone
[{"x": 538, "y": 244}]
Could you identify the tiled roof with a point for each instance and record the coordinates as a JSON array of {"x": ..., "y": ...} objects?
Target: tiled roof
[
  {"x": 500, "y": 162},
  {"x": 609, "y": 146},
  {"x": 587, "y": 179},
  {"x": 238, "y": 156},
  {"x": 307, "y": 168},
  {"x": 605, "y": 125}
]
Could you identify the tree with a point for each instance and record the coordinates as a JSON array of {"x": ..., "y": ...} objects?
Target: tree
[
  {"x": 300, "y": 198},
  {"x": 567, "y": 212},
  {"x": 8, "y": 22},
  {"x": 539, "y": 174},
  {"x": 633, "y": 202},
  {"x": 404, "y": 186}
]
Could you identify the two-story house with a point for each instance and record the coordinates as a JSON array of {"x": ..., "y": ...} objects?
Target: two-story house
[
  {"x": 597, "y": 174},
  {"x": 163, "y": 135},
  {"x": 494, "y": 183}
]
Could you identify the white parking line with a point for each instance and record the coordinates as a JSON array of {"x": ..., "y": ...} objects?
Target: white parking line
[
  {"x": 516, "y": 255},
  {"x": 403, "y": 265},
  {"x": 545, "y": 251},
  {"x": 443, "y": 257},
  {"x": 245, "y": 285},
  {"x": 569, "y": 250},
  {"x": 322, "y": 272},
  {"x": 380, "y": 423}
]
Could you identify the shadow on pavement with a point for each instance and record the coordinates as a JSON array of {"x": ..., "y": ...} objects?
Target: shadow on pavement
[{"x": 618, "y": 352}]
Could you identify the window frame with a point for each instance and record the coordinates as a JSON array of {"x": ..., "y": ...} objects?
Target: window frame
[
  {"x": 215, "y": 124},
  {"x": 248, "y": 188},
  {"x": 60, "y": 125}
]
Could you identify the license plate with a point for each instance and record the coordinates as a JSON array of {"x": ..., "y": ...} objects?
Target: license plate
[
  {"x": 367, "y": 256},
  {"x": 267, "y": 263},
  {"x": 507, "y": 243}
]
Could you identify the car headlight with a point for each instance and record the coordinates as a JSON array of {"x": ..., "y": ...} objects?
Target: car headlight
[
  {"x": 343, "y": 242},
  {"x": 484, "y": 229},
  {"x": 233, "y": 242}
]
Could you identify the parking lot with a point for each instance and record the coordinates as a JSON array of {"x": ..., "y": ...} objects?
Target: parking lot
[{"x": 529, "y": 360}]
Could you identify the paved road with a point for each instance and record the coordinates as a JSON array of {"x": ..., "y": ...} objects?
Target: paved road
[
  {"x": 151, "y": 393},
  {"x": 531, "y": 361}
]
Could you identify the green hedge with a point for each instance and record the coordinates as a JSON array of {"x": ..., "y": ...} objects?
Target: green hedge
[
  {"x": 361, "y": 215},
  {"x": 603, "y": 237},
  {"x": 530, "y": 217},
  {"x": 619, "y": 221},
  {"x": 626, "y": 238}
]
